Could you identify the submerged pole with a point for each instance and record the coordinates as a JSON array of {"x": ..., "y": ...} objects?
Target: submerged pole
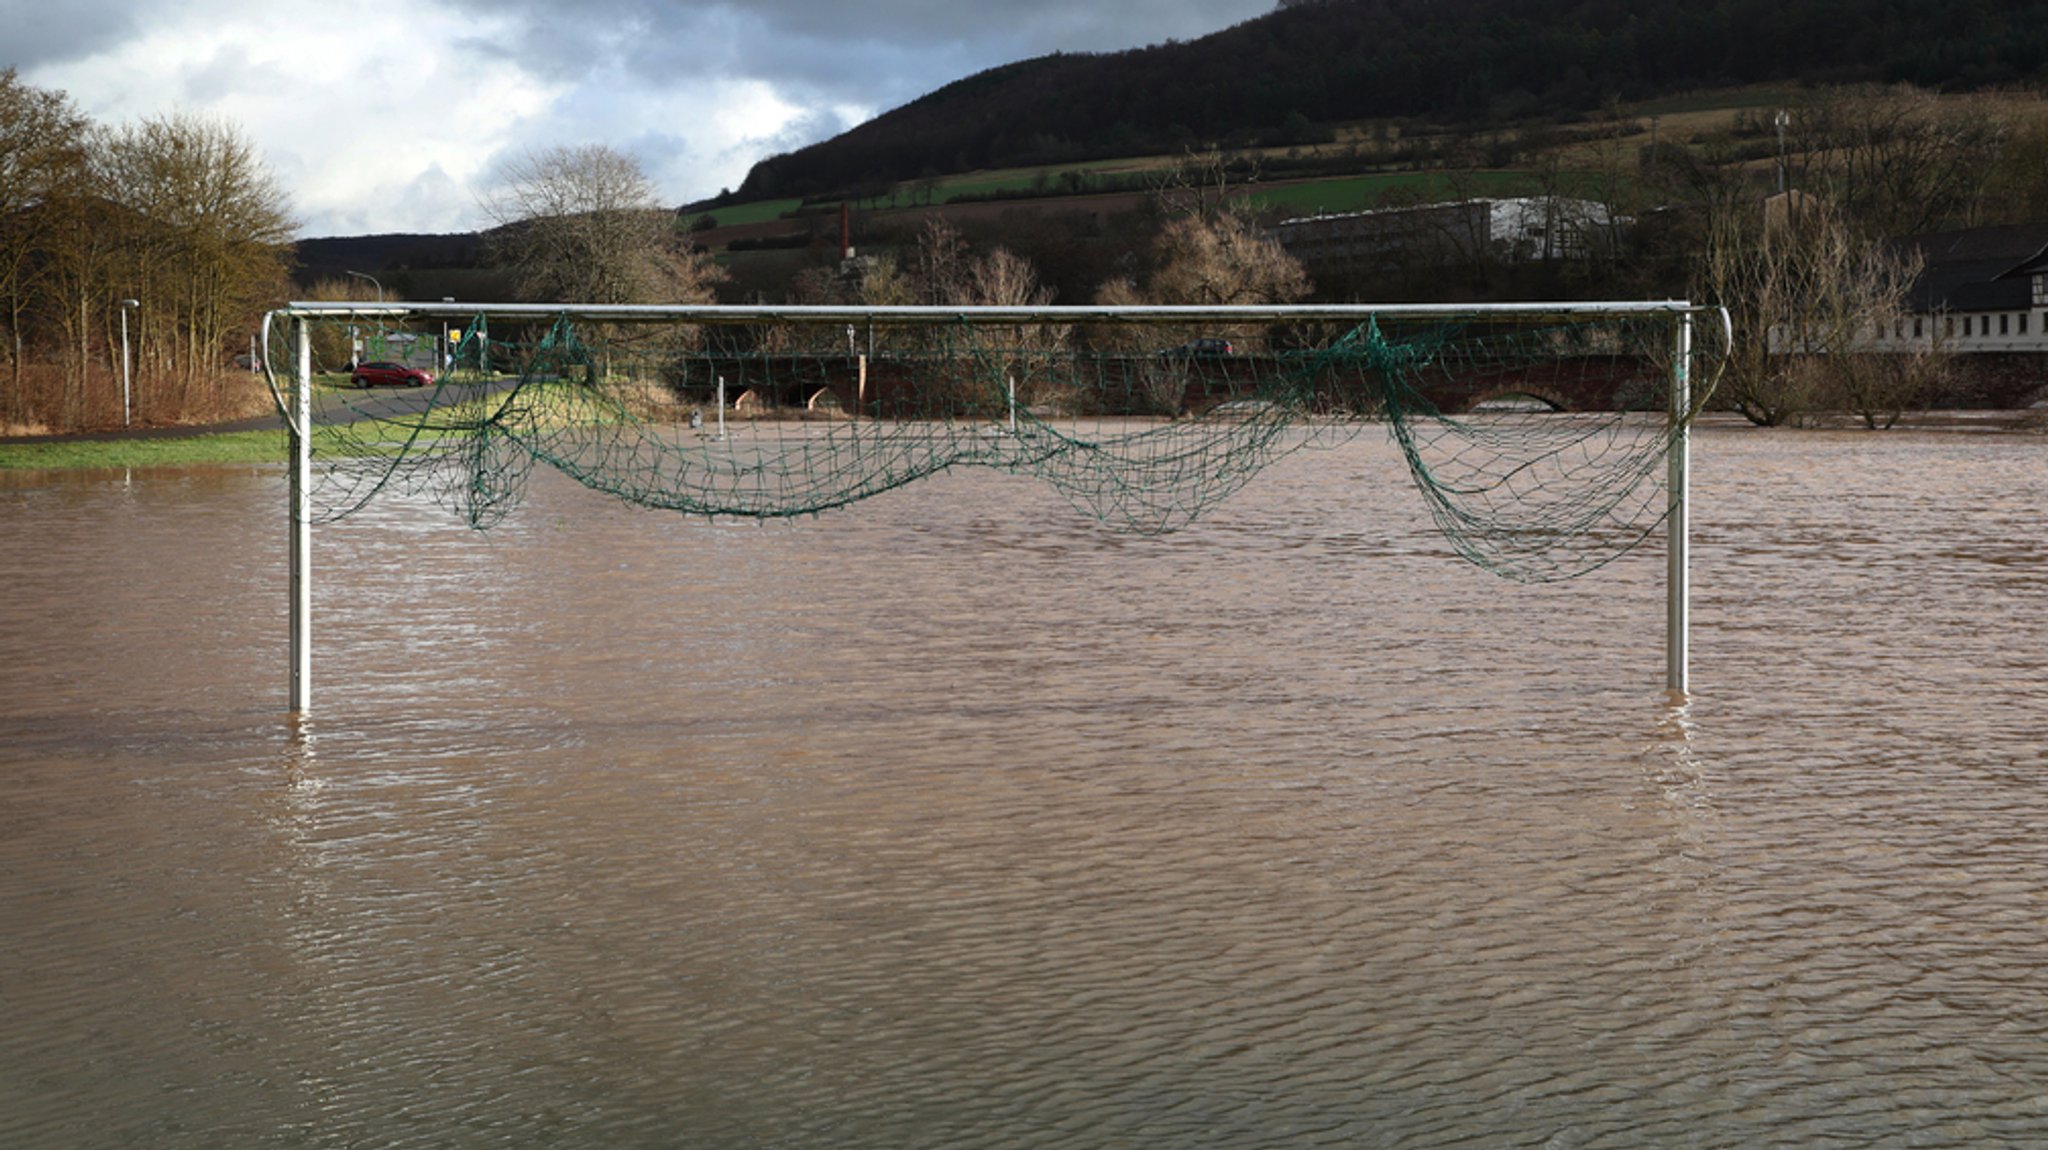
[
  {"x": 300, "y": 426},
  {"x": 1677, "y": 524}
]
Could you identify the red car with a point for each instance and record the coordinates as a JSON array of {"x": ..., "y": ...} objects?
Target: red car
[{"x": 389, "y": 375}]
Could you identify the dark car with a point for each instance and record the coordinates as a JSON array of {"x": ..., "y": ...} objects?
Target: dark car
[
  {"x": 389, "y": 375},
  {"x": 1199, "y": 347}
]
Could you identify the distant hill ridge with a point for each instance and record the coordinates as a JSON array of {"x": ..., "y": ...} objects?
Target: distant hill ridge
[{"x": 1309, "y": 63}]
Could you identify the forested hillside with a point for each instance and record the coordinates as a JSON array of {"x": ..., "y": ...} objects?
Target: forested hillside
[{"x": 1283, "y": 78}]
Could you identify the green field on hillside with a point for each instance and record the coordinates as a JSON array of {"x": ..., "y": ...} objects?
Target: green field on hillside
[
  {"x": 1359, "y": 193},
  {"x": 1687, "y": 113},
  {"x": 735, "y": 215},
  {"x": 944, "y": 189},
  {"x": 1304, "y": 197}
]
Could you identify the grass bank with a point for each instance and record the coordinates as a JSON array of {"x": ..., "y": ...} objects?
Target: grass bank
[{"x": 225, "y": 448}]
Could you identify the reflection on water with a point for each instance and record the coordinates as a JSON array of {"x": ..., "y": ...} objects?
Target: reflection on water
[{"x": 953, "y": 821}]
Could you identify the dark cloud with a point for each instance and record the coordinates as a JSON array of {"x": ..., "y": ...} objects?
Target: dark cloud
[
  {"x": 836, "y": 62},
  {"x": 877, "y": 53},
  {"x": 40, "y": 33}
]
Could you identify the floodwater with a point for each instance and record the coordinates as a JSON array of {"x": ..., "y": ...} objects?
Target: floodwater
[{"x": 952, "y": 820}]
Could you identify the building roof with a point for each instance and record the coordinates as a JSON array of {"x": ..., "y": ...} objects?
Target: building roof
[
  {"x": 1977, "y": 269},
  {"x": 2036, "y": 264}
]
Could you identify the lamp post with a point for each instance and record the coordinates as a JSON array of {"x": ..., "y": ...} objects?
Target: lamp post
[
  {"x": 355, "y": 340},
  {"x": 373, "y": 280},
  {"x": 1782, "y": 120},
  {"x": 127, "y": 405}
]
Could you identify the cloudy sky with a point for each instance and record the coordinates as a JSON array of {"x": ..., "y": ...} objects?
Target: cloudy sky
[{"x": 389, "y": 115}]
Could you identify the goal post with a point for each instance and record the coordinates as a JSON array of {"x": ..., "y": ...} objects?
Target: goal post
[
  {"x": 1678, "y": 514},
  {"x": 1536, "y": 433}
]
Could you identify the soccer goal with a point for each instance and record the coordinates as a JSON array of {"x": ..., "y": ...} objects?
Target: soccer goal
[{"x": 1546, "y": 440}]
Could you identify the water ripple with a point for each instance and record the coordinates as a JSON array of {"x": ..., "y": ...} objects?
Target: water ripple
[{"x": 955, "y": 822}]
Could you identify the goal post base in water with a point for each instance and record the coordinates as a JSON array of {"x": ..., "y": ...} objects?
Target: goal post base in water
[{"x": 1546, "y": 439}]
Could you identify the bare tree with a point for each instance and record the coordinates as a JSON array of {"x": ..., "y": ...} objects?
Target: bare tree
[
  {"x": 205, "y": 233},
  {"x": 42, "y": 160},
  {"x": 949, "y": 271},
  {"x": 1743, "y": 271},
  {"x": 1030, "y": 361},
  {"x": 2017, "y": 185},
  {"x": 943, "y": 263},
  {"x": 582, "y": 224},
  {"x": 178, "y": 212},
  {"x": 1202, "y": 184},
  {"x": 1852, "y": 330},
  {"x": 1224, "y": 258},
  {"x": 1899, "y": 160},
  {"x": 1119, "y": 338},
  {"x": 1819, "y": 315}
]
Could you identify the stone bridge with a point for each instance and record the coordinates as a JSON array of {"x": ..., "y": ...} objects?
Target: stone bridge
[{"x": 1155, "y": 385}]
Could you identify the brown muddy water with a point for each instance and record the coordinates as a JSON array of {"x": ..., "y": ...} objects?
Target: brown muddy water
[{"x": 952, "y": 820}]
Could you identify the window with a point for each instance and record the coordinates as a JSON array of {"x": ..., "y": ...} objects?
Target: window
[
  {"x": 1968, "y": 321},
  {"x": 2023, "y": 322},
  {"x": 1917, "y": 333},
  {"x": 2004, "y": 325}
]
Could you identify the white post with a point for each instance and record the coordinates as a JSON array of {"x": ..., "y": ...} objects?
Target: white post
[
  {"x": 301, "y": 433},
  {"x": 127, "y": 408},
  {"x": 1677, "y": 525},
  {"x": 1010, "y": 385}
]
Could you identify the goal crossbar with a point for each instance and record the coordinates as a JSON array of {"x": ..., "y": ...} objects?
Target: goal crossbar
[{"x": 914, "y": 314}]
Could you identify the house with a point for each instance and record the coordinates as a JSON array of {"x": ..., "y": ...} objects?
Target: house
[
  {"x": 1981, "y": 291},
  {"x": 1981, "y": 296}
]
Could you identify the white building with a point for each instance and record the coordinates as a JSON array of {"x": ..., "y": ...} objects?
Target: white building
[
  {"x": 1511, "y": 230},
  {"x": 1981, "y": 290}
]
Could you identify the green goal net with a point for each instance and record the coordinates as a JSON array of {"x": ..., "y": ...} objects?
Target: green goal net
[{"x": 1537, "y": 436}]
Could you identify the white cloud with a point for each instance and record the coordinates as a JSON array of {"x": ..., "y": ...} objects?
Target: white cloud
[
  {"x": 353, "y": 106},
  {"x": 389, "y": 115}
]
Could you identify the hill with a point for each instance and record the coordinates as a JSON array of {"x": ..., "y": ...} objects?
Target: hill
[
  {"x": 404, "y": 265},
  {"x": 1294, "y": 74}
]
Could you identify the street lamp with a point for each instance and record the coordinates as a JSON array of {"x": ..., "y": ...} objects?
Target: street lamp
[
  {"x": 373, "y": 280},
  {"x": 355, "y": 341},
  {"x": 127, "y": 407},
  {"x": 1782, "y": 120}
]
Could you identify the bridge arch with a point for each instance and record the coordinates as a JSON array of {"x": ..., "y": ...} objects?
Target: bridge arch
[{"x": 1518, "y": 399}]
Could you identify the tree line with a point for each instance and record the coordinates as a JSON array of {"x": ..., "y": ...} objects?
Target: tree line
[{"x": 171, "y": 227}]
